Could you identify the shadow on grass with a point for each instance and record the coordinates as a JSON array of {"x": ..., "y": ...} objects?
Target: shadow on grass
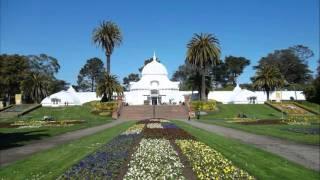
[{"x": 16, "y": 139}]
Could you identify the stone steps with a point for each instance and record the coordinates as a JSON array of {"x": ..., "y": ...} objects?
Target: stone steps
[{"x": 147, "y": 112}]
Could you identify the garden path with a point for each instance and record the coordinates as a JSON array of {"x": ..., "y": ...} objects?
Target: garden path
[
  {"x": 305, "y": 155},
  {"x": 11, "y": 155}
]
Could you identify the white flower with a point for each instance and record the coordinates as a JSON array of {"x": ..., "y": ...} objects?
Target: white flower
[
  {"x": 155, "y": 159},
  {"x": 154, "y": 125}
]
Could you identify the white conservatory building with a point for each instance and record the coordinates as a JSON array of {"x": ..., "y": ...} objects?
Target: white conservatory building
[
  {"x": 69, "y": 97},
  {"x": 155, "y": 88}
]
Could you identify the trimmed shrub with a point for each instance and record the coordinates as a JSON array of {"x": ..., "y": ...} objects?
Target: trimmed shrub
[
  {"x": 106, "y": 106},
  {"x": 103, "y": 108},
  {"x": 306, "y": 108},
  {"x": 203, "y": 105}
]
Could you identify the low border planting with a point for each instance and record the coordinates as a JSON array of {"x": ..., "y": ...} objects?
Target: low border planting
[{"x": 307, "y": 108}]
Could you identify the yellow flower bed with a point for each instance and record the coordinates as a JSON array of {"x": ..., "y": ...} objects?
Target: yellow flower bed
[
  {"x": 136, "y": 129},
  {"x": 208, "y": 163}
]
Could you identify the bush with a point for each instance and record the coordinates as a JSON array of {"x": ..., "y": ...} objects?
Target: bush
[
  {"x": 203, "y": 106},
  {"x": 106, "y": 106},
  {"x": 103, "y": 108}
]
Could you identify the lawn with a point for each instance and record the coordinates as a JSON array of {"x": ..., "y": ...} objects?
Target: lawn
[
  {"x": 255, "y": 111},
  {"x": 261, "y": 164},
  {"x": 297, "y": 133},
  {"x": 12, "y": 137},
  {"x": 308, "y": 134},
  {"x": 52, "y": 163}
]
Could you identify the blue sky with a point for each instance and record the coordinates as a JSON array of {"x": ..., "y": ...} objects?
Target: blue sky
[{"x": 248, "y": 28}]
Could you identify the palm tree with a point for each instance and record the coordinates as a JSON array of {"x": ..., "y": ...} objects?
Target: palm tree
[
  {"x": 203, "y": 50},
  {"x": 107, "y": 86},
  {"x": 267, "y": 78},
  {"x": 107, "y": 36},
  {"x": 35, "y": 86}
]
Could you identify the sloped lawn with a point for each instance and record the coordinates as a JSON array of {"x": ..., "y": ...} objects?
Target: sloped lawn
[
  {"x": 270, "y": 122},
  {"x": 255, "y": 111}
]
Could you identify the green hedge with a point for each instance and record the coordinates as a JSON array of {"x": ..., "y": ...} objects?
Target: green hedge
[
  {"x": 274, "y": 107},
  {"x": 4, "y": 108},
  {"x": 36, "y": 106},
  {"x": 306, "y": 108}
]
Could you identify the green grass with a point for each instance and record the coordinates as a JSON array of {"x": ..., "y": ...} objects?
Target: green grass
[
  {"x": 256, "y": 111},
  {"x": 65, "y": 113},
  {"x": 259, "y": 163},
  {"x": 11, "y": 137},
  {"x": 52, "y": 163},
  {"x": 275, "y": 130},
  {"x": 259, "y": 111}
]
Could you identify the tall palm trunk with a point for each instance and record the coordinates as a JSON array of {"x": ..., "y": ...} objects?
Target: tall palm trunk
[
  {"x": 268, "y": 92},
  {"x": 108, "y": 63},
  {"x": 92, "y": 84},
  {"x": 203, "y": 86}
]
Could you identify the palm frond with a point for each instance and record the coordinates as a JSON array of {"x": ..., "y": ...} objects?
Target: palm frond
[{"x": 107, "y": 36}]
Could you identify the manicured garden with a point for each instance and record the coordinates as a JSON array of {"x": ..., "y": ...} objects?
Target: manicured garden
[
  {"x": 264, "y": 120},
  {"x": 21, "y": 130},
  {"x": 155, "y": 149}
]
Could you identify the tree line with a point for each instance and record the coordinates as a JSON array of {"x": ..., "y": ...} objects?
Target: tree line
[
  {"x": 288, "y": 68},
  {"x": 33, "y": 76}
]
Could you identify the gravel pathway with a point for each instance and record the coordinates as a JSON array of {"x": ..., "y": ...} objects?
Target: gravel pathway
[
  {"x": 11, "y": 155},
  {"x": 305, "y": 155}
]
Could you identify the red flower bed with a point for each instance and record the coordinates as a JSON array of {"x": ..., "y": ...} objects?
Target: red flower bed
[{"x": 166, "y": 133}]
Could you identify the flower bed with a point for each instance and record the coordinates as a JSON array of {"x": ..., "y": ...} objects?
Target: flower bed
[
  {"x": 154, "y": 126},
  {"x": 148, "y": 121},
  {"x": 288, "y": 108},
  {"x": 38, "y": 124},
  {"x": 136, "y": 129},
  {"x": 155, "y": 149},
  {"x": 155, "y": 159},
  {"x": 317, "y": 112},
  {"x": 106, "y": 163},
  {"x": 259, "y": 122},
  {"x": 208, "y": 163},
  {"x": 302, "y": 120},
  {"x": 167, "y": 133},
  {"x": 168, "y": 125}
]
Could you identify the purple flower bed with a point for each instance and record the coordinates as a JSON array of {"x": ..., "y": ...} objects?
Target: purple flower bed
[
  {"x": 104, "y": 163},
  {"x": 167, "y": 125}
]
